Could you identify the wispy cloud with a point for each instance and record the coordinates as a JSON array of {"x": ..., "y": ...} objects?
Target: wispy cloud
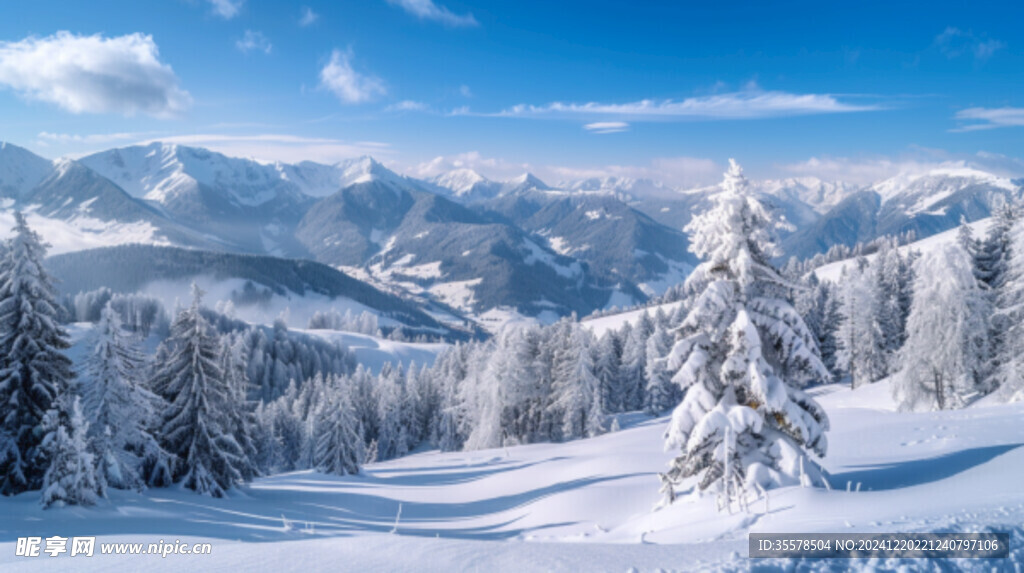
[
  {"x": 679, "y": 172},
  {"x": 308, "y": 17},
  {"x": 428, "y": 10},
  {"x": 226, "y": 9},
  {"x": 600, "y": 127},
  {"x": 408, "y": 105},
  {"x": 253, "y": 40},
  {"x": 747, "y": 104},
  {"x": 872, "y": 169},
  {"x": 954, "y": 42},
  {"x": 350, "y": 86},
  {"x": 93, "y": 74},
  {"x": 464, "y": 91},
  {"x": 676, "y": 172},
  {"x": 990, "y": 118},
  {"x": 46, "y": 138}
]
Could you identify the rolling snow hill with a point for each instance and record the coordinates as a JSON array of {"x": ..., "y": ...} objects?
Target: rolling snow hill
[{"x": 582, "y": 505}]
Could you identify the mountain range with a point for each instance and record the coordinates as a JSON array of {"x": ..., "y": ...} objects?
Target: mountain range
[{"x": 456, "y": 241}]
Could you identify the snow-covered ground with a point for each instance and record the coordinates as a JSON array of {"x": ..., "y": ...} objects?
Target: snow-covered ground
[
  {"x": 579, "y": 506},
  {"x": 603, "y": 324},
  {"x": 373, "y": 352}
]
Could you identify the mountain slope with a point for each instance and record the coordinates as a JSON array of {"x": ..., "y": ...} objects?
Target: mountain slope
[
  {"x": 21, "y": 171},
  {"x": 922, "y": 203},
  {"x": 246, "y": 204},
  {"x": 131, "y": 268},
  {"x": 619, "y": 243},
  {"x": 430, "y": 245}
]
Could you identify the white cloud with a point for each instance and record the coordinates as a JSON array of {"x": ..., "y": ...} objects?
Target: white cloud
[
  {"x": 93, "y": 74},
  {"x": 600, "y": 127},
  {"x": 46, "y": 138},
  {"x": 990, "y": 118},
  {"x": 408, "y": 105},
  {"x": 954, "y": 42},
  {"x": 675, "y": 172},
  {"x": 226, "y": 9},
  {"x": 427, "y": 10},
  {"x": 867, "y": 170},
  {"x": 679, "y": 172},
  {"x": 854, "y": 170},
  {"x": 349, "y": 85},
  {"x": 464, "y": 91},
  {"x": 253, "y": 40},
  {"x": 280, "y": 147},
  {"x": 747, "y": 104},
  {"x": 308, "y": 17}
]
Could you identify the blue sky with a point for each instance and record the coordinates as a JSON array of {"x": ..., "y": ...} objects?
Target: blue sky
[{"x": 568, "y": 89}]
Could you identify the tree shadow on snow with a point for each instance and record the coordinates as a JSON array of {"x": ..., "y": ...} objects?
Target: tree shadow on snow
[{"x": 909, "y": 473}]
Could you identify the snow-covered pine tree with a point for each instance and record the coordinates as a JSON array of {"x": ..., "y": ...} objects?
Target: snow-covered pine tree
[
  {"x": 819, "y": 307},
  {"x": 70, "y": 478},
  {"x": 889, "y": 315},
  {"x": 392, "y": 433},
  {"x": 120, "y": 409},
  {"x": 339, "y": 447},
  {"x": 575, "y": 386},
  {"x": 634, "y": 362},
  {"x": 742, "y": 356},
  {"x": 994, "y": 250},
  {"x": 242, "y": 412},
  {"x": 34, "y": 371},
  {"x": 661, "y": 393},
  {"x": 607, "y": 359},
  {"x": 994, "y": 259},
  {"x": 197, "y": 422},
  {"x": 944, "y": 357},
  {"x": 1008, "y": 319},
  {"x": 449, "y": 413},
  {"x": 862, "y": 352}
]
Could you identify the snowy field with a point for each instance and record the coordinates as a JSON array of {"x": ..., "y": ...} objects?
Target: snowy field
[{"x": 580, "y": 506}]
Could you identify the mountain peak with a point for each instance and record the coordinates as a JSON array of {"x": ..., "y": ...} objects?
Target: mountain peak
[
  {"x": 525, "y": 182},
  {"x": 21, "y": 170}
]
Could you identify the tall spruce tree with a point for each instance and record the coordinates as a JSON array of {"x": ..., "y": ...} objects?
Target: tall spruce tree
[
  {"x": 70, "y": 477},
  {"x": 198, "y": 421},
  {"x": 120, "y": 409},
  {"x": 339, "y": 447},
  {"x": 742, "y": 356},
  {"x": 34, "y": 371}
]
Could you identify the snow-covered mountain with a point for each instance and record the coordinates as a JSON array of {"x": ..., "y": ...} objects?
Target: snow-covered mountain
[
  {"x": 818, "y": 194},
  {"x": 924, "y": 203},
  {"x": 617, "y": 241},
  {"x": 428, "y": 245},
  {"x": 168, "y": 174},
  {"x": 21, "y": 170},
  {"x": 459, "y": 238},
  {"x": 626, "y": 188},
  {"x": 524, "y": 183},
  {"x": 466, "y": 185}
]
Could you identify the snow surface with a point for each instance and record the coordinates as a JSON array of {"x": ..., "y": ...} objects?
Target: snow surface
[
  {"x": 579, "y": 506},
  {"x": 603, "y": 324},
  {"x": 81, "y": 232},
  {"x": 373, "y": 352}
]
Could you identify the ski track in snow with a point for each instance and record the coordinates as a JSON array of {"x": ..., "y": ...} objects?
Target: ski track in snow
[{"x": 583, "y": 505}]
